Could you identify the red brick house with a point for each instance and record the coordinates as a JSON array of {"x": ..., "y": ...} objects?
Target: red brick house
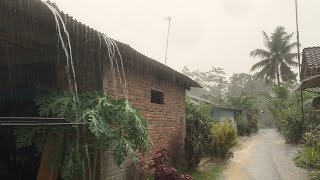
[{"x": 32, "y": 58}]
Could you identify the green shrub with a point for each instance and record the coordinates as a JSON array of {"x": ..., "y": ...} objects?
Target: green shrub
[
  {"x": 243, "y": 127},
  {"x": 198, "y": 137},
  {"x": 315, "y": 175},
  {"x": 308, "y": 139},
  {"x": 312, "y": 138},
  {"x": 112, "y": 125},
  {"x": 224, "y": 138},
  {"x": 254, "y": 124},
  {"x": 286, "y": 110},
  {"x": 291, "y": 125},
  {"x": 309, "y": 158}
]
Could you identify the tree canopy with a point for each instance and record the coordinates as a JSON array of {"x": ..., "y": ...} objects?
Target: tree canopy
[
  {"x": 277, "y": 59},
  {"x": 213, "y": 82}
]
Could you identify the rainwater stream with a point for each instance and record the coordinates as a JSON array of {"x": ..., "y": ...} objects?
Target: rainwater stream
[{"x": 264, "y": 156}]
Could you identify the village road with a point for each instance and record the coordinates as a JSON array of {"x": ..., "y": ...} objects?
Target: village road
[{"x": 264, "y": 156}]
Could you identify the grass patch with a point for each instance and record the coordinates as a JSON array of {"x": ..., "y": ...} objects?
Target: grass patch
[
  {"x": 210, "y": 173},
  {"x": 309, "y": 158}
]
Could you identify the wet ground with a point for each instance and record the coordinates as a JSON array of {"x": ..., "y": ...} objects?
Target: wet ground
[{"x": 264, "y": 156}]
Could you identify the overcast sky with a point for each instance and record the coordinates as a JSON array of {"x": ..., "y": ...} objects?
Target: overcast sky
[{"x": 204, "y": 33}]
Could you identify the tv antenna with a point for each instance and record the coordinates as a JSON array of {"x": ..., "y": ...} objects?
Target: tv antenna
[{"x": 165, "y": 57}]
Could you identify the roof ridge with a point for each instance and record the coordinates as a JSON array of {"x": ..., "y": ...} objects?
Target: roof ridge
[
  {"x": 74, "y": 19},
  {"x": 313, "y": 47},
  {"x": 153, "y": 65}
]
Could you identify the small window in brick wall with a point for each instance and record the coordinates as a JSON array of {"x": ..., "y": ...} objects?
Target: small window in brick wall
[{"x": 157, "y": 97}]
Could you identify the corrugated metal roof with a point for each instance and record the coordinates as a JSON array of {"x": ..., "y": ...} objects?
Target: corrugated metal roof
[{"x": 213, "y": 104}]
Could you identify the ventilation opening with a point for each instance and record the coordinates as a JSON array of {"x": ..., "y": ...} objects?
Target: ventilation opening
[{"x": 157, "y": 97}]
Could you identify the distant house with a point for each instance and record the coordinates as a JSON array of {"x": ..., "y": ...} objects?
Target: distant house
[
  {"x": 310, "y": 77},
  {"x": 219, "y": 112}
]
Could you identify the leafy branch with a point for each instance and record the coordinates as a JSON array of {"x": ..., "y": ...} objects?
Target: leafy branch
[{"x": 113, "y": 125}]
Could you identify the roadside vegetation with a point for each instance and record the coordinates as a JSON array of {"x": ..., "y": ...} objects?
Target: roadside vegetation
[
  {"x": 212, "y": 172},
  {"x": 309, "y": 157},
  {"x": 249, "y": 93},
  {"x": 112, "y": 125},
  {"x": 284, "y": 102},
  {"x": 267, "y": 98},
  {"x": 206, "y": 138}
]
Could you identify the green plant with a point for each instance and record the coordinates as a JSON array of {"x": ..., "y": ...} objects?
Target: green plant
[
  {"x": 249, "y": 118},
  {"x": 291, "y": 125},
  {"x": 198, "y": 137},
  {"x": 308, "y": 138},
  {"x": 286, "y": 110},
  {"x": 309, "y": 158},
  {"x": 112, "y": 125},
  {"x": 243, "y": 127},
  {"x": 312, "y": 138},
  {"x": 224, "y": 137},
  {"x": 177, "y": 159},
  {"x": 212, "y": 173},
  {"x": 315, "y": 175},
  {"x": 26, "y": 137}
]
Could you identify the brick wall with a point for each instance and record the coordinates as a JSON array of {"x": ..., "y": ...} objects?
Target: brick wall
[{"x": 166, "y": 121}]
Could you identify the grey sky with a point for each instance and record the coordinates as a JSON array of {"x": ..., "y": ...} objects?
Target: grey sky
[{"x": 204, "y": 33}]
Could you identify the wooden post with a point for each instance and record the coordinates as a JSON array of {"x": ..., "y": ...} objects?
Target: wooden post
[{"x": 44, "y": 172}]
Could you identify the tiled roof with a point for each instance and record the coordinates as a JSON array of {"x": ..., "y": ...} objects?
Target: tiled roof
[
  {"x": 310, "y": 68},
  {"x": 312, "y": 56}
]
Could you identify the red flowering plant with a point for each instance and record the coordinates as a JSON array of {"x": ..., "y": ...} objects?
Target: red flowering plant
[{"x": 163, "y": 171}]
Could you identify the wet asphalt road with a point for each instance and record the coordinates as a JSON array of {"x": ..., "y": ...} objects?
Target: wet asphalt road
[{"x": 264, "y": 156}]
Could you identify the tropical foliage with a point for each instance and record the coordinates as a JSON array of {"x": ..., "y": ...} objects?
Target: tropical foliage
[
  {"x": 277, "y": 58},
  {"x": 247, "y": 122},
  {"x": 224, "y": 138},
  {"x": 198, "y": 137},
  {"x": 213, "y": 82},
  {"x": 244, "y": 127},
  {"x": 310, "y": 157},
  {"x": 112, "y": 125},
  {"x": 286, "y": 111},
  {"x": 241, "y": 91},
  {"x": 285, "y": 107}
]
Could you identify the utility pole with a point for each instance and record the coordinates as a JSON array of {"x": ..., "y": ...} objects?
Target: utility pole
[
  {"x": 165, "y": 58},
  {"x": 298, "y": 38},
  {"x": 299, "y": 61}
]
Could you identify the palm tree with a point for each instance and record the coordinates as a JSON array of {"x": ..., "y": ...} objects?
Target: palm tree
[{"x": 277, "y": 59}]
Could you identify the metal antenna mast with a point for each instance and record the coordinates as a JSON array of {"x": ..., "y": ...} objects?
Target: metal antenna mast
[
  {"x": 165, "y": 58},
  {"x": 299, "y": 61}
]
